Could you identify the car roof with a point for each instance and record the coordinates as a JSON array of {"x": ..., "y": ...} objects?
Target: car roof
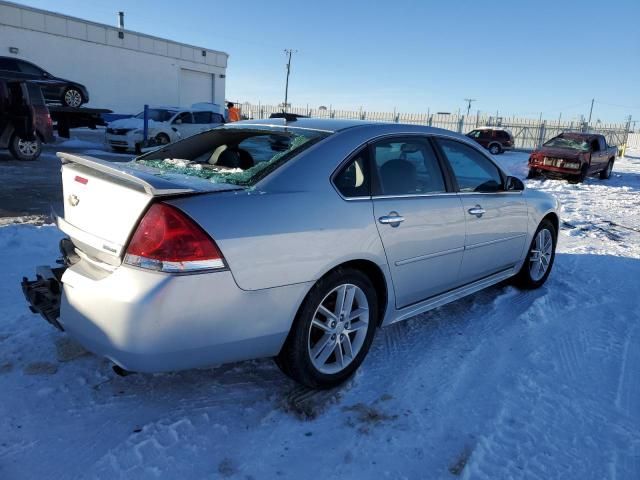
[
  {"x": 501, "y": 129},
  {"x": 334, "y": 126}
]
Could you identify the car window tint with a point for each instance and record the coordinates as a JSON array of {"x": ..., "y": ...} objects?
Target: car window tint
[
  {"x": 407, "y": 167},
  {"x": 353, "y": 179},
  {"x": 29, "y": 69},
  {"x": 202, "y": 117},
  {"x": 473, "y": 171},
  {"x": 8, "y": 64}
]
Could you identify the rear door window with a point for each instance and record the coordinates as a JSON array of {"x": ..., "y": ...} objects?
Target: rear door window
[
  {"x": 407, "y": 167},
  {"x": 473, "y": 171}
]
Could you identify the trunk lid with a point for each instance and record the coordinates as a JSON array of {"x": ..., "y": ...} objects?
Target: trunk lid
[{"x": 103, "y": 201}]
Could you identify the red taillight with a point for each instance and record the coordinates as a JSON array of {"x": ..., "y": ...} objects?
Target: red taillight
[
  {"x": 81, "y": 180},
  {"x": 169, "y": 241}
]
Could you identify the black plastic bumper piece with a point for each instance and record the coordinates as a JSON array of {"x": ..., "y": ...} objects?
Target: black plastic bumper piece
[{"x": 44, "y": 293}]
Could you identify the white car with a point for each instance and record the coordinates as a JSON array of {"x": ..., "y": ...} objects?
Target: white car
[{"x": 166, "y": 125}]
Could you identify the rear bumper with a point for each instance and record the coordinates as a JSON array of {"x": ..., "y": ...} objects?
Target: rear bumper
[
  {"x": 554, "y": 170},
  {"x": 151, "y": 322}
]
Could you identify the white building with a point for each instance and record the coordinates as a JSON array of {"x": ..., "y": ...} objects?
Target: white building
[{"x": 122, "y": 69}]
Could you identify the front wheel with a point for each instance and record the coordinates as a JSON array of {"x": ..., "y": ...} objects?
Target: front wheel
[
  {"x": 542, "y": 253},
  {"x": 333, "y": 330},
  {"x": 162, "y": 139},
  {"x": 495, "y": 149},
  {"x": 25, "y": 150}
]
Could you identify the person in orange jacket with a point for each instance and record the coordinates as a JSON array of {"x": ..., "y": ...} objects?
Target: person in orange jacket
[{"x": 233, "y": 114}]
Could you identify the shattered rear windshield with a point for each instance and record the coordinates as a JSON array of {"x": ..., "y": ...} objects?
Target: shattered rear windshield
[
  {"x": 238, "y": 156},
  {"x": 566, "y": 142}
]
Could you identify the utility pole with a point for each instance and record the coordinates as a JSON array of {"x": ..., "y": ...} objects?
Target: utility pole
[
  {"x": 590, "y": 111},
  {"x": 469, "y": 102},
  {"x": 289, "y": 52}
]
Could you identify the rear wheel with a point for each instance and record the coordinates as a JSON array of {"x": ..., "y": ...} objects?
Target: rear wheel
[
  {"x": 495, "y": 149},
  {"x": 542, "y": 253},
  {"x": 533, "y": 173},
  {"x": 25, "y": 150},
  {"x": 606, "y": 173},
  {"x": 333, "y": 330},
  {"x": 581, "y": 177},
  {"x": 72, "y": 98}
]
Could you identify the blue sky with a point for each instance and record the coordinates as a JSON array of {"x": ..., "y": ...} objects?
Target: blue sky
[{"x": 517, "y": 57}]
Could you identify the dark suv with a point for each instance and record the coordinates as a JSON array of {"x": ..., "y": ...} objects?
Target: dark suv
[
  {"x": 496, "y": 140},
  {"x": 24, "y": 119},
  {"x": 68, "y": 93}
]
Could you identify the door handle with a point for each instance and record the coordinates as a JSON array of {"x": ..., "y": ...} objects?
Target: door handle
[
  {"x": 392, "y": 219},
  {"x": 478, "y": 211}
]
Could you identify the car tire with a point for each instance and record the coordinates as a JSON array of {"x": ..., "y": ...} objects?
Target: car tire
[
  {"x": 25, "y": 150},
  {"x": 72, "y": 97},
  {"x": 533, "y": 173},
  {"x": 536, "y": 267},
  {"x": 495, "y": 149},
  {"x": 316, "y": 352},
  {"x": 581, "y": 177},
  {"x": 162, "y": 139},
  {"x": 606, "y": 173}
]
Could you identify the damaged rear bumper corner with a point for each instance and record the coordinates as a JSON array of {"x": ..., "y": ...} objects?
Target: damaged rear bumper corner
[{"x": 44, "y": 294}]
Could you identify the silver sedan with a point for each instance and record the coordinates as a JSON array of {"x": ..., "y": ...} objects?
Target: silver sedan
[{"x": 294, "y": 239}]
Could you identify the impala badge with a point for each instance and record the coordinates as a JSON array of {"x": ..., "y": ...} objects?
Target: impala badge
[{"x": 73, "y": 200}]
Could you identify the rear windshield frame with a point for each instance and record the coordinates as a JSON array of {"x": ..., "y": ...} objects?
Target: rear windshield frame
[{"x": 198, "y": 145}]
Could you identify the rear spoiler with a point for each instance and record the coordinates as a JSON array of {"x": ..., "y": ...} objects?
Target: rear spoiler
[{"x": 152, "y": 184}]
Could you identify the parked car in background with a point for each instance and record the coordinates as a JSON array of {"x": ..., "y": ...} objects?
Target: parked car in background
[
  {"x": 24, "y": 119},
  {"x": 573, "y": 156},
  {"x": 55, "y": 89},
  {"x": 166, "y": 125},
  {"x": 496, "y": 140},
  {"x": 225, "y": 247}
]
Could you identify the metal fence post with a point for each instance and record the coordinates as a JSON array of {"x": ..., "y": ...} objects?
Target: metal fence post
[
  {"x": 461, "y": 124},
  {"x": 543, "y": 126},
  {"x": 430, "y": 121},
  {"x": 145, "y": 128}
]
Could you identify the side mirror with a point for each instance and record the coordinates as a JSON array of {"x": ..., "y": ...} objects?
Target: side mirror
[{"x": 513, "y": 184}]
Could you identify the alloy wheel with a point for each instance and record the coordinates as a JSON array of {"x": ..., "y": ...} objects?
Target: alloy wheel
[
  {"x": 338, "y": 329},
  {"x": 28, "y": 148},
  {"x": 540, "y": 255},
  {"x": 73, "y": 98}
]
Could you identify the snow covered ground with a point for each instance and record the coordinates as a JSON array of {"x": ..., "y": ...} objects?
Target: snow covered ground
[{"x": 504, "y": 384}]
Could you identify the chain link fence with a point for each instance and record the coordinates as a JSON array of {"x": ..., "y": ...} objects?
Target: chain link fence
[{"x": 528, "y": 133}]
